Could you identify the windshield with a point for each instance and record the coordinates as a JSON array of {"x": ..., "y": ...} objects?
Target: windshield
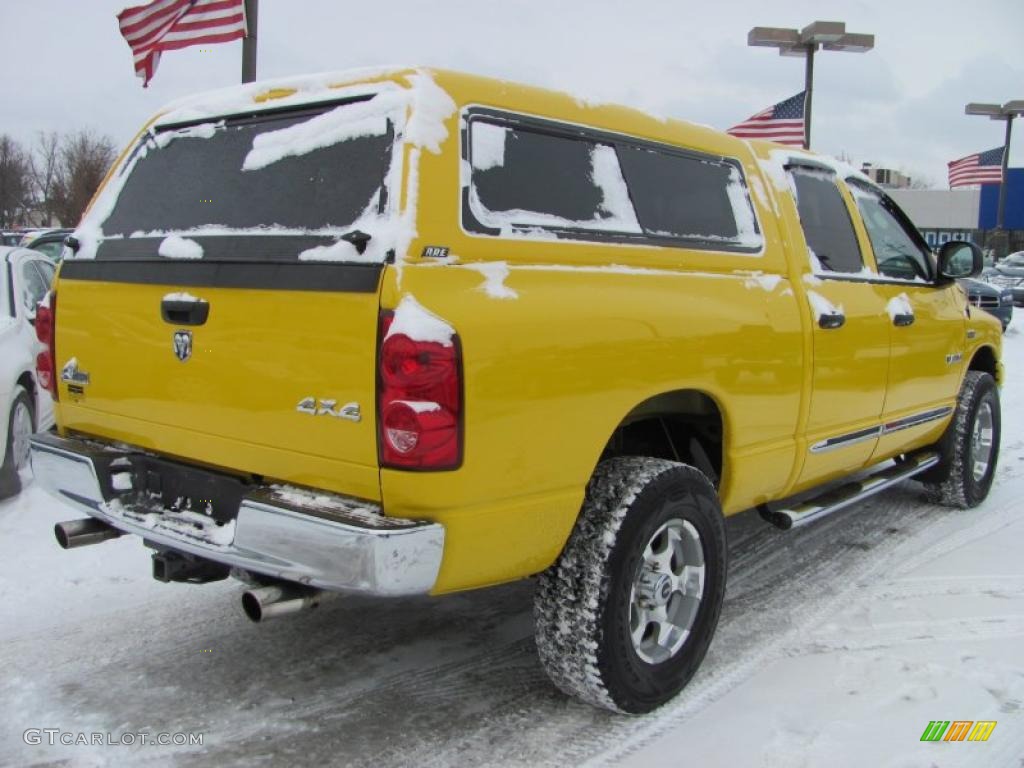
[{"x": 267, "y": 188}]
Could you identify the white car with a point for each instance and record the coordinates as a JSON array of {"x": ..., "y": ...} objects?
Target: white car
[{"x": 25, "y": 406}]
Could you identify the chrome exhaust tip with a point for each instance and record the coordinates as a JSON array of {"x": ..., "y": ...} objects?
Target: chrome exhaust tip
[
  {"x": 81, "y": 533},
  {"x": 279, "y": 600}
]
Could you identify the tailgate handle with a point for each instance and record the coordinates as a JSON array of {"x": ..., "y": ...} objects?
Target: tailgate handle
[{"x": 184, "y": 311}]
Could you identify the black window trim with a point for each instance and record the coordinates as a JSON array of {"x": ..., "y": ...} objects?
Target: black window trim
[{"x": 474, "y": 228}]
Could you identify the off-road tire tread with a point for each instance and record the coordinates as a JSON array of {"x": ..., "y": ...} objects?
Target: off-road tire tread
[{"x": 571, "y": 595}]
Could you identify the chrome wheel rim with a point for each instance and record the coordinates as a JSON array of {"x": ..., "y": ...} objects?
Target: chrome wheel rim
[
  {"x": 981, "y": 442},
  {"x": 667, "y": 590},
  {"x": 21, "y": 432}
]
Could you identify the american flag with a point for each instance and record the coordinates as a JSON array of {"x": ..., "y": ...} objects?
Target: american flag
[
  {"x": 782, "y": 123},
  {"x": 979, "y": 168},
  {"x": 165, "y": 25}
]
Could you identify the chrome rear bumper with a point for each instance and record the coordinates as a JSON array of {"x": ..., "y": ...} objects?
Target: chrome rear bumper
[{"x": 319, "y": 539}]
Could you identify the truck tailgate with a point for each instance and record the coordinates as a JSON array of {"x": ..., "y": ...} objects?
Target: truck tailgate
[{"x": 272, "y": 382}]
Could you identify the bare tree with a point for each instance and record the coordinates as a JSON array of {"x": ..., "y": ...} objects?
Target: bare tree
[
  {"x": 919, "y": 180},
  {"x": 83, "y": 160},
  {"x": 45, "y": 165},
  {"x": 15, "y": 183}
]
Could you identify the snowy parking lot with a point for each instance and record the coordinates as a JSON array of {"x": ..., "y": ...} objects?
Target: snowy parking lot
[{"x": 838, "y": 644}]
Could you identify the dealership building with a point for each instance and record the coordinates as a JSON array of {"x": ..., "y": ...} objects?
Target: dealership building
[{"x": 966, "y": 214}]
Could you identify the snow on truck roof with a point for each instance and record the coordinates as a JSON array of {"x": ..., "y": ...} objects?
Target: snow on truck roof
[
  {"x": 309, "y": 89},
  {"x": 428, "y": 86}
]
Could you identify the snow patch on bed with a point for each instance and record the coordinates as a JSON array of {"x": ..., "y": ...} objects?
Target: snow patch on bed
[
  {"x": 495, "y": 273},
  {"x": 419, "y": 324},
  {"x": 763, "y": 281},
  {"x": 177, "y": 247}
]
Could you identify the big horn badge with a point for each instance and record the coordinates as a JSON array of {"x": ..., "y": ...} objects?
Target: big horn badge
[{"x": 183, "y": 345}]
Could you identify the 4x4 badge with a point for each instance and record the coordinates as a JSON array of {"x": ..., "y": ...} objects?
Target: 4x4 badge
[{"x": 183, "y": 345}]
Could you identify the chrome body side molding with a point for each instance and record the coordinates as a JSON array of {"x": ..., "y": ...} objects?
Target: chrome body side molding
[{"x": 870, "y": 433}]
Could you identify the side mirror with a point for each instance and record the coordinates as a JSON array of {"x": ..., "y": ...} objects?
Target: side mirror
[{"x": 958, "y": 259}]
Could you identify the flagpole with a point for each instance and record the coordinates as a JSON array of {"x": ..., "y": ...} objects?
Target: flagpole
[
  {"x": 809, "y": 91},
  {"x": 249, "y": 41},
  {"x": 1002, "y": 183}
]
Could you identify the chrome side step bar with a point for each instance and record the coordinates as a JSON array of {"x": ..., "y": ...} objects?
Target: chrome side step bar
[{"x": 850, "y": 493}]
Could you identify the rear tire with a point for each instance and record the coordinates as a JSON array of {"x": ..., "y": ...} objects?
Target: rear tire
[
  {"x": 969, "y": 447},
  {"x": 16, "y": 452},
  {"x": 626, "y": 615}
]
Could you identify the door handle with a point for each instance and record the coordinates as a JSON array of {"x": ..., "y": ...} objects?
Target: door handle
[
  {"x": 184, "y": 311},
  {"x": 832, "y": 320},
  {"x": 903, "y": 319}
]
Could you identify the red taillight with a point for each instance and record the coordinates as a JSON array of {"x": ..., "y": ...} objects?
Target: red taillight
[
  {"x": 419, "y": 401},
  {"x": 46, "y": 317}
]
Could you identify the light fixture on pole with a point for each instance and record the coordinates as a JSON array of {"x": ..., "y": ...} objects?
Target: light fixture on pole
[
  {"x": 826, "y": 35},
  {"x": 1006, "y": 112}
]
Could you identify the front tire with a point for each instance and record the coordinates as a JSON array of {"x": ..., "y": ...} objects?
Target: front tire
[
  {"x": 969, "y": 447},
  {"x": 626, "y": 615},
  {"x": 20, "y": 426}
]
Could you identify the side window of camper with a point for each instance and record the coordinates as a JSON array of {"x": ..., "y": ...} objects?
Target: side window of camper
[
  {"x": 523, "y": 178},
  {"x": 687, "y": 197},
  {"x": 546, "y": 181}
]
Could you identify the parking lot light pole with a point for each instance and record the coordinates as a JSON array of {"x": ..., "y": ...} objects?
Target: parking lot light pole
[
  {"x": 1006, "y": 112},
  {"x": 826, "y": 35}
]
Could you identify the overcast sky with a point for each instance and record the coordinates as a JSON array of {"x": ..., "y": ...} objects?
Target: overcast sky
[{"x": 900, "y": 105}]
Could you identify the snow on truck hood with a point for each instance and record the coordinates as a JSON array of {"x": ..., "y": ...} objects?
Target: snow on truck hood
[{"x": 418, "y": 110}]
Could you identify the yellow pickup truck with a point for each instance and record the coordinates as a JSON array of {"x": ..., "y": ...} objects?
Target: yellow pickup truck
[{"x": 411, "y": 331}]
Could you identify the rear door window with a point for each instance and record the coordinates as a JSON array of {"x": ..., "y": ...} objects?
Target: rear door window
[{"x": 826, "y": 222}]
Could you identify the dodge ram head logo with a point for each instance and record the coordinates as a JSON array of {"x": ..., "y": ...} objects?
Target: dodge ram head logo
[{"x": 183, "y": 345}]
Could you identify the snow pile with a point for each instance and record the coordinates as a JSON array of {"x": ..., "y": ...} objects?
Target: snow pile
[
  {"x": 899, "y": 305},
  {"x": 431, "y": 109},
  {"x": 488, "y": 150},
  {"x": 763, "y": 281},
  {"x": 202, "y": 131},
  {"x": 183, "y": 296},
  {"x": 177, "y": 247},
  {"x": 344, "y": 123},
  {"x": 747, "y": 233},
  {"x": 495, "y": 273},
  {"x": 607, "y": 177},
  {"x": 821, "y": 306},
  {"x": 419, "y": 324},
  {"x": 346, "y": 506},
  {"x": 178, "y": 522}
]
